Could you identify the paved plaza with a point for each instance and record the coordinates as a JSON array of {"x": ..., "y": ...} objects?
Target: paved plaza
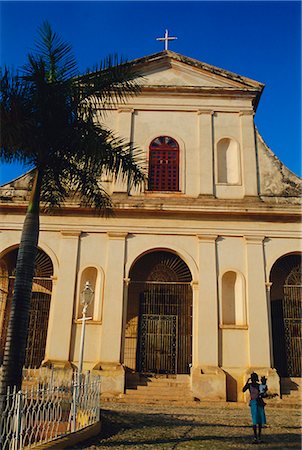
[{"x": 209, "y": 426}]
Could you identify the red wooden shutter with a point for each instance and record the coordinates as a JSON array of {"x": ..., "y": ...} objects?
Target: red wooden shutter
[{"x": 163, "y": 164}]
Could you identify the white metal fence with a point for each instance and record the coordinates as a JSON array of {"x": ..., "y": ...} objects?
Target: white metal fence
[{"x": 43, "y": 412}]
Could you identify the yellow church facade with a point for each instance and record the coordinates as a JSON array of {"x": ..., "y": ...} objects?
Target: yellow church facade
[{"x": 197, "y": 274}]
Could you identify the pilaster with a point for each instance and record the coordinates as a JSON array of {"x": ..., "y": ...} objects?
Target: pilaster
[
  {"x": 113, "y": 299},
  {"x": 205, "y": 146},
  {"x": 248, "y": 152},
  {"x": 268, "y": 286},
  {"x": 61, "y": 308},
  {"x": 206, "y": 333},
  {"x": 258, "y": 321},
  {"x": 195, "y": 323},
  {"x": 125, "y": 124}
]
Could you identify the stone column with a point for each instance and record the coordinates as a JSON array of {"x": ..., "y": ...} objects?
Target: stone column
[
  {"x": 113, "y": 300},
  {"x": 207, "y": 342},
  {"x": 205, "y": 147},
  {"x": 258, "y": 321},
  {"x": 248, "y": 153},
  {"x": 62, "y": 303}
]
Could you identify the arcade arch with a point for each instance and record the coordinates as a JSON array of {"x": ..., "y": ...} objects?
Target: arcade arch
[
  {"x": 285, "y": 296},
  {"x": 158, "y": 322},
  {"x": 39, "y": 307}
]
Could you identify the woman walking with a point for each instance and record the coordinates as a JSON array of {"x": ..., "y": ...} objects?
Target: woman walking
[{"x": 257, "y": 406}]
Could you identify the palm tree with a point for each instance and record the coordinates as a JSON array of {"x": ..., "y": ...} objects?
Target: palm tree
[{"x": 47, "y": 122}]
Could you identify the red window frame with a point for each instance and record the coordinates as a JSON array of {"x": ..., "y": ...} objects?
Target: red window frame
[{"x": 163, "y": 164}]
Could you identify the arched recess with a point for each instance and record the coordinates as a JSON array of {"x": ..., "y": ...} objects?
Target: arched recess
[
  {"x": 285, "y": 296},
  {"x": 228, "y": 161},
  {"x": 158, "y": 331},
  {"x": 39, "y": 306},
  {"x": 95, "y": 277},
  {"x": 233, "y": 302}
]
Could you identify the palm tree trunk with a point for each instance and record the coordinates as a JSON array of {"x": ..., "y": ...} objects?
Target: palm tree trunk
[{"x": 15, "y": 346}]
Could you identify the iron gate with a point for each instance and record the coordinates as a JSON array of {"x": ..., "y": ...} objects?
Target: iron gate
[
  {"x": 38, "y": 318},
  {"x": 165, "y": 328},
  {"x": 292, "y": 328},
  {"x": 158, "y": 344}
]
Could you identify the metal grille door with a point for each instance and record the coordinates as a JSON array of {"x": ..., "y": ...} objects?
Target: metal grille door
[
  {"x": 158, "y": 343},
  {"x": 165, "y": 327},
  {"x": 38, "y": 320},
  {"x": 37, "y": 329},
  {"x": 292, "y": 329}
]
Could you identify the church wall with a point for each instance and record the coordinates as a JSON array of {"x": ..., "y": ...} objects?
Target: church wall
[
  {"x": 114, "y": 244},
  {"x": 234, "y": 346},
  {"x": 150, "y": 124},
  {"x": 185, "y": 102},
  {"x": 229, "y": 254},
  {"x": 162, "y": 116}
]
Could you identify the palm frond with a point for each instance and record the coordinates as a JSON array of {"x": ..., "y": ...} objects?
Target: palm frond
[
  {"x": 110, "y": 83},
  {"x": 48, "y": 121},
  {"x": 56, "y": 53}
]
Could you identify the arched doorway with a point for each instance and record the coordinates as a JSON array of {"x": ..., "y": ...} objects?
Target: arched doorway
[
  {"x": 39, "y": 306},
  {"x": 158, "y": 332},
  {"x": 286, "y": 297}
]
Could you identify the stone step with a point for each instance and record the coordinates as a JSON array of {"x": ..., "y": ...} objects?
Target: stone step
[
  {"x": 158, "y": 401},
  {"x": 149, "y": 394},
  {"x": 157, "y": 378},
  {"x": 160, "y": 387},
  {"x": 158, "y": 382}
]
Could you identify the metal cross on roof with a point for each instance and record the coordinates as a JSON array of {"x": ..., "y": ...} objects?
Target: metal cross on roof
[{"x": 166, "y": 39}]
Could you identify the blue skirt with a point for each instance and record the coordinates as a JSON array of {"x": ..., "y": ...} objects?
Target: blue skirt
[{"x": 257, "y": 413}]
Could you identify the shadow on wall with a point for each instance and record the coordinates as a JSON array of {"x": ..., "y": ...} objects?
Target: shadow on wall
[{"x": 231, "y": 388}]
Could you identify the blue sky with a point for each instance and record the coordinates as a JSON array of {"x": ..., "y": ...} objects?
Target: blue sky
[{"x": 258, "y": 39}]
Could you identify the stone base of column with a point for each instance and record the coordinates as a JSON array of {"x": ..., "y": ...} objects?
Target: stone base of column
[
  {"x": 273, "y": 379},
  {"x": 236, "y": 378},
  {"x": 112, "y": 378},
  {"x": 57, "y": 364},
  {"x": 208, "y": 383}
]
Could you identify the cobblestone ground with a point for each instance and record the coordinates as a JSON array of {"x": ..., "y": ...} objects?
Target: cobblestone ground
[{"x": 204, "y": 426}]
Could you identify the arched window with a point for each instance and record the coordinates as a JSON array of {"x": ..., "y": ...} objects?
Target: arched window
[
  {"x": 228, "y": 163},
  {"x": 233, "y": 299},
  {"x": 163, "y": 164}
]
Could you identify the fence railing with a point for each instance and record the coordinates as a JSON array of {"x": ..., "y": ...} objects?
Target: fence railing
[{"x": 44, "y": 412}]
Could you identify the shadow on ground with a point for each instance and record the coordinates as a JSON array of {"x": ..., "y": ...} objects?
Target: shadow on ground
[{"x": 195, "y": 430}]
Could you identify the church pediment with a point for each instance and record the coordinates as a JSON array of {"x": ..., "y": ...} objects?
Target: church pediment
[
  {"x": 172, "y": 69},
  {"x": 175, "y": 75}
]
